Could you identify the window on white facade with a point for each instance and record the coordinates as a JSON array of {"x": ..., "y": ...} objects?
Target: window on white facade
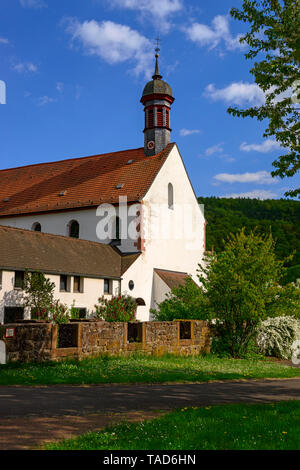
[
  {"x": 73, "y": 229},
  {"x": 19, "y": 279},
  {"x": 170, "y": 196},
  {"x": 107, "y": 286},
  {"x": 116, "y": 231},
  {"x": 64, "y": 285},
  {"x": 37, "y": 227},
  {"x": 78, "y": 284}
]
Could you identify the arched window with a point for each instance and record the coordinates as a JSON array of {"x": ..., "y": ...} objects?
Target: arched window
[
  {"x": 116, "y": 231},
  {"x": 170, "y": 196},
  {"x": 36, "y": 227},
  {"x": 73, "y": 229}
]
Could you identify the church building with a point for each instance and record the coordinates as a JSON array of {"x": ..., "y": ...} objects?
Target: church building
[{"x": 123, "y": 222}]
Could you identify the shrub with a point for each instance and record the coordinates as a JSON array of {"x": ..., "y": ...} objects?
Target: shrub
[
  {"x": 120, "y": 308},
  {"x": 275, "y": 336},
  {"x": 184, "y": 302},
  {"x": 59, "y": 313}
]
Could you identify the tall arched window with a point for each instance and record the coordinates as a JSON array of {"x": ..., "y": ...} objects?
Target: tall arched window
[
  {"x": 73, "y": 229},
  {"x": 170, "y": 196},
  {"x": 36, "y": 227},
  {"x": 116, "y": 231}
]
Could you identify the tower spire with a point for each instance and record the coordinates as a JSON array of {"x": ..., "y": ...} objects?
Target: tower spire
[
  {"x": 157, "y": 100},
  {"x": 157, "y": 75}
]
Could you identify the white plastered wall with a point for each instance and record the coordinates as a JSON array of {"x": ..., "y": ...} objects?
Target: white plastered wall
[
  {"x": 92, "y": 290},
  {"x": 172, "y": 251}
]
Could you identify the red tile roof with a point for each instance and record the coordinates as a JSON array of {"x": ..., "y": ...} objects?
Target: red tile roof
[
  {"x": 78, "y": 182},
  {"x": 172, "y": 278}
]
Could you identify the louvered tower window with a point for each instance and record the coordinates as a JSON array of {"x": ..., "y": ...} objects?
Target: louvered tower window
[
  {"x": 167, "y": 118},
  {"x": 150, "y": 118},
  {"x": 160, "y": 119}
]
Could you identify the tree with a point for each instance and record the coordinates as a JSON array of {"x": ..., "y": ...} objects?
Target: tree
[
  {"x": 184, "y": 302},
  {"x": 275, "y": 33},
  {"x": 242, "y": 287},
  {"x": 39, "y": 294}
]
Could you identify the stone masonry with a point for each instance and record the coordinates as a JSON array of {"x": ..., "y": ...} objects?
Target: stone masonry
[{"x": 38, "y": 342}]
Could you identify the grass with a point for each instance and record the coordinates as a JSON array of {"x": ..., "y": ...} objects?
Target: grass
[
  {"x": 225, "y": 427},
  {"x": 143, "y": 369}
]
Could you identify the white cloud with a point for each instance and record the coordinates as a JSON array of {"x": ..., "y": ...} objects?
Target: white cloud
[
  {"x": 60, "y": 87},
  {"x": 260, "y": 177},
  {"x": 113, "y": 43},
  {"x": 25, "y": 67},
  {"x": 213, "y": 35},
  {"x": 33, "y": 4},
  {"x": 237, "y": 93},
  {"x": 159, "y": 10},
  {"x": 218, "y": 148},
  {"x": 255, "y": 194},
  {"x": 186, "y": 132},
  {"x": 43, "y": 100},
  {"x": 267, "y": 146},
  {"x": 4, "y": 41}
]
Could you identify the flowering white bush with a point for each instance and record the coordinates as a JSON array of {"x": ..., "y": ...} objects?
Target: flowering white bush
[{"x": 275, "y": 336}]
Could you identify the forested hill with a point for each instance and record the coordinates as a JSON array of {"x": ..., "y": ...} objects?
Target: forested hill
[{"x": 282, "y": 217}]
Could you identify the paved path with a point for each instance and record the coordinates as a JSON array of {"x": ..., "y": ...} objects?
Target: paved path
[{"x": 69, "y": 405}]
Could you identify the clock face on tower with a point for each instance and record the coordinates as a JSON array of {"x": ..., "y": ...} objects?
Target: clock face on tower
[{"x": 150, "y": 145}]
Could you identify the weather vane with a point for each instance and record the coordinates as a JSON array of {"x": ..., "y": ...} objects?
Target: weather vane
[{"x": 157, "y": 49}]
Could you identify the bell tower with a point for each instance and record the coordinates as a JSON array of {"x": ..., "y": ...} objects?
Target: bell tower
[{"x": 157, "y": 100}]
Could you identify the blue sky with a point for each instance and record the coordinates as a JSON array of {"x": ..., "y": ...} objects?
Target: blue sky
[{"x": 75, "y": 71}]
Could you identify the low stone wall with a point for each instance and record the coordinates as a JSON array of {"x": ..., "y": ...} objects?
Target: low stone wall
[
  {"x": 29, "y": 343},
  {"x": 39, "y": 342}
]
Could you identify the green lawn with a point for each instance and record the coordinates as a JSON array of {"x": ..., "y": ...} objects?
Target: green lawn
[
  {"x": 142, "y": 369},
  {"x": 272, "y": 427}
]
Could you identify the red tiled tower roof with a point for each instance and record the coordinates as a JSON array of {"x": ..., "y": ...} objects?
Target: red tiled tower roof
[{"x": 79, "y": 182}]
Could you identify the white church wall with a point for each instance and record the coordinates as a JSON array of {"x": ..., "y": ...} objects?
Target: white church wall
[
  {"x": 90, "y": 224},
  {"x": 175, "y": 252}
]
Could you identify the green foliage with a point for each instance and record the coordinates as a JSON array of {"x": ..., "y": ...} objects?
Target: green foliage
[
  {"x": 74, "y": 312},
  {"x": 184, "y": 302},
  {"x": 279, "y": 217},
  {"x": 38, "y": 294},
  {"x": 142, "y": 368},
  {"x": 274, "y": 37},
  {"x": 59, "y": 313},
  {"x": 275, "y": 336},
  {"x": 272, "y": 426},
  {"x": 120, "y": 308},
  {"x": 241, "y": 285}
]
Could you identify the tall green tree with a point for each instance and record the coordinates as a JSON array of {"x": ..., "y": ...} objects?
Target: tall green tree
[
  {"x": 39, "y": 294},
  {"x": 241, "y": 286},
  {"x": 274, "y": 38}
]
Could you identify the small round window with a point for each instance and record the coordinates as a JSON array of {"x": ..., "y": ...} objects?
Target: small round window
[{"x": 131, "y": 285}]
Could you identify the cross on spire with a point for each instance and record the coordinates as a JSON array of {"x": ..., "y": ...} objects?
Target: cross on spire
[{"x": 157, "y": 75}]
